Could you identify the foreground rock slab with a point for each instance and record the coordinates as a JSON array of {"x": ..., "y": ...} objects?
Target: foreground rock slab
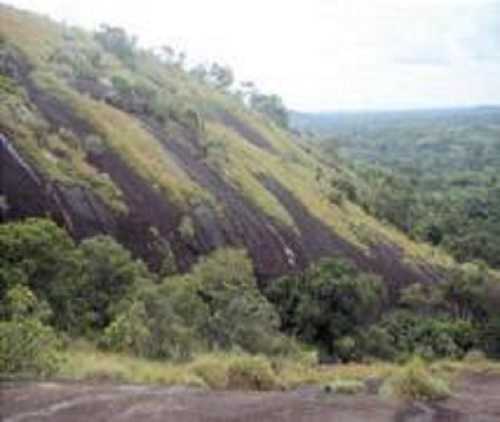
[{"x": 477, "y": 399}]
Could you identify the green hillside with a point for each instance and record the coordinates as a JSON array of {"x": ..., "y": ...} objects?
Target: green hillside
[{"x": 70, "y": 97}]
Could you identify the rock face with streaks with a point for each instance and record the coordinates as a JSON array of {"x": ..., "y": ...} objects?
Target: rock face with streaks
[{"x": 246, "y": 172}]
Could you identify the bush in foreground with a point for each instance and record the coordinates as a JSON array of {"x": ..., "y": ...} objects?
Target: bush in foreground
[
  {"x": 27, "y": 345},
  {"x": 251, "y": 373},
  {"x": 236, "y": 372},
  {"x": 415, "y": 382}
]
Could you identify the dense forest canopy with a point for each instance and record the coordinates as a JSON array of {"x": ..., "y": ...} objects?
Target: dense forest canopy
[{"x": 433, "y": 174}]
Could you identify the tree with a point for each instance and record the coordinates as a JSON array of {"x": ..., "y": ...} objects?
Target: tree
[
  {"x": 402, "y": 334},
  {"x": 27, "y": 344},
  {"x": 163, "y": 321},
  {"x": 239, "y": 313},
  {"x": 200, "y": 72},
  {"x": 117, "y": 41},
  {"x": 40, "y": 255},
  {"x": 490, "y": 328},
  {"x": 329, "y": 301},
  {"x": 216, "y": 306},
  {"x": 271, "y": 106},
  {"x": 220, "y": 76},
  {"x": 464, "y": 291},
  {"x": 217, "y": 75},
  {"x": 109, "y": 276},
  {"x": 167, "y": 54}
]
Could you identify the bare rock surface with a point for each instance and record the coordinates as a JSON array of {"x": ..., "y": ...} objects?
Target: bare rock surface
[{"x": 476, "y": 399}]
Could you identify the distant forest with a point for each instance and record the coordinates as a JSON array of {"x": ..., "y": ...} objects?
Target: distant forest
[{"x": 433, "y": 174}]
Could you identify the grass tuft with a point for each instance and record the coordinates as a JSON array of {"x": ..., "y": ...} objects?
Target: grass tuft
[
  {"x": 212, "y": 370},
  {"x": 344, "y": 386},
  {"x": 415, "y": 382},
  {"x": 251, "y": 373}
]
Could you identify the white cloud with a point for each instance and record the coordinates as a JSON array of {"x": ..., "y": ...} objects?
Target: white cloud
[{"x": 324, "y": 54}]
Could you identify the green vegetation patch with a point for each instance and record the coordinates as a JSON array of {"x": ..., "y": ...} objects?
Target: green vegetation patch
[
  {"x": 27, "y": 344},
  {"x": 124, "y": 134},
  {"x": 415, "y": 382},
  {"x": 36, "y": 36}
]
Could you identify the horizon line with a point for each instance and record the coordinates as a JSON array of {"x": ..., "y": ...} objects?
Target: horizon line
[{"x": 396, "y": 109}]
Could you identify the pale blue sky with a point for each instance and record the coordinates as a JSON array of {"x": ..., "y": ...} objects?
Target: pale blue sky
[{"x": 320, "y": 54}]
